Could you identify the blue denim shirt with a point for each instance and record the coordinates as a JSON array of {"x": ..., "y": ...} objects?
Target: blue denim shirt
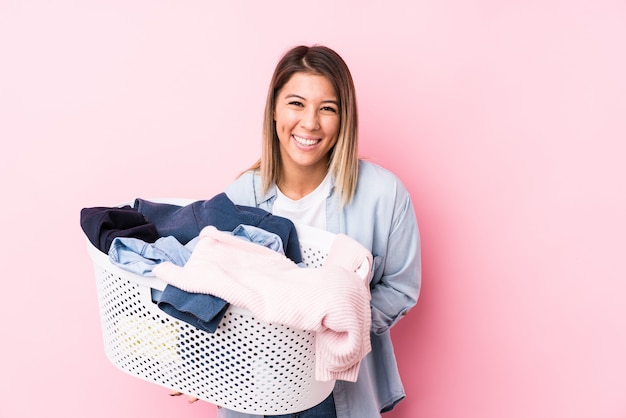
[{"x": 381, "y": 217}]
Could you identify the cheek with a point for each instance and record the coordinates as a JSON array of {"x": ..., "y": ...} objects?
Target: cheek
[
  {"x": 285, "y": 122},
  {"x": 282, "y": 119},
  {"x": 332, "y": 127},
  {"x": 282, "y": 126}
]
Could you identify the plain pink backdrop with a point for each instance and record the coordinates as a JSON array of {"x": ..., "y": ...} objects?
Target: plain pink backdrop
[{"x": 506, "y": 121}]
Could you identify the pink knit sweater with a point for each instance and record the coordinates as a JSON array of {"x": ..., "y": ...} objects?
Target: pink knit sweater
[{"x": 331, "y": 300}]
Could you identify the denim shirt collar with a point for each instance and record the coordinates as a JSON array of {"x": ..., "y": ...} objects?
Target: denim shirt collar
[
  {"x": 261, "y": 199},
  {"x": 267, "y": 199},
  {"x": 334, "y": 222}
]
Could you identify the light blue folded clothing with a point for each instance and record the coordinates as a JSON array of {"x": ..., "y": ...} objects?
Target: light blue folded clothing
[
  {"x": 200, "y": 310},
  {"x": 139, "y": 257}
]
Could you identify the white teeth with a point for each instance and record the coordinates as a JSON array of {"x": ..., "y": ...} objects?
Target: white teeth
[{"x": 304, "y": 141}]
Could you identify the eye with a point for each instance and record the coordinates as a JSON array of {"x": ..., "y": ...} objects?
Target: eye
[
  {"x": 329, "y": 109},
  {"x": 296, "y": 103}
]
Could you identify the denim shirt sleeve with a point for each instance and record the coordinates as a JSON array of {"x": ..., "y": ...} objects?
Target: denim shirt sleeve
[
  {"x": 382, "y": 218},
  {"x": 396, "y": 277}
]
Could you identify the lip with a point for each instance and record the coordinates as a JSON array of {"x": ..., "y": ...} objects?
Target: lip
[{"x": 305, "y": 140}]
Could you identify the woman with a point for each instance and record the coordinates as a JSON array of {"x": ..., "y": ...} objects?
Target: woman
[{"x": 309, "y": 172}]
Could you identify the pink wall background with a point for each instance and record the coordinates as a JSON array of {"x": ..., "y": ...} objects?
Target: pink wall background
[{"x": 506, "y": 121}]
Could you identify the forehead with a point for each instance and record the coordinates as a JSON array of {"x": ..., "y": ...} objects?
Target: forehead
[{"x": 310, "y": 86}]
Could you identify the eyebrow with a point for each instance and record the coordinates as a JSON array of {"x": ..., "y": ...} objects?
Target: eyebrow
[{"x": 289, "y": 96}]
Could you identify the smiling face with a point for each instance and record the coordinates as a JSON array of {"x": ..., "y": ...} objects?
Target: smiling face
[{"x": 307, "y": 123}]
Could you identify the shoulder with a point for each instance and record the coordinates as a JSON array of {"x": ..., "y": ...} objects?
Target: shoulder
[
  {"x": 369, "y": 168},
  {"x": 242, "y": 190},
  {"x": 375, "y": 180},
  {"x": 381, "y": 193}
]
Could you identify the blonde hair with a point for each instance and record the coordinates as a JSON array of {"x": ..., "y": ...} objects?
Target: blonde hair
[{"x": 343, "y": 162}]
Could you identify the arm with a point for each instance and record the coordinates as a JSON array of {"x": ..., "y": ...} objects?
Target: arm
[{"x": 396, "y": 283}]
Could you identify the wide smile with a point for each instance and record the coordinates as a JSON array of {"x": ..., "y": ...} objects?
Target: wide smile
[{"x": 306, "y": 142}]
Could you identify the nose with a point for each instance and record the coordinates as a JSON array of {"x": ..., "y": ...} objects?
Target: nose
[{"x": 310, "y": 119}]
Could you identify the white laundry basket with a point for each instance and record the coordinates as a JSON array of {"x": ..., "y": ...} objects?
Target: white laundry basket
[{"x": 245, "y": 365}]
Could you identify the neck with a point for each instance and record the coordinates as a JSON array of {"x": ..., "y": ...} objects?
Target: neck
[{"x": 296, "y": 185}]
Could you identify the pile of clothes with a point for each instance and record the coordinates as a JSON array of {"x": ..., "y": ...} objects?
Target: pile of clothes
[{"x": 212, "y": 253}]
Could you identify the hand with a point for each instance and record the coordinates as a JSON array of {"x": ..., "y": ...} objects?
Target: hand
[{"x": 190, "y": 399}]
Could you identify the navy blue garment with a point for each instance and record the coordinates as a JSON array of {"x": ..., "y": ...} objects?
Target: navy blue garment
[
  {"x": 200, "y": 310},
  {"x": 138, "y": 257},
  {"x": 102, "y": 225},
  {"x": 186, "y": 222}
]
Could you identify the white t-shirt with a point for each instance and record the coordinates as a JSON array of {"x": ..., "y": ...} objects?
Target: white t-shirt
[{"x": 309, "y": 210}]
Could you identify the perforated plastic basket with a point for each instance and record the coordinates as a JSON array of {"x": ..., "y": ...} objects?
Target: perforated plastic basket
[{"x": 245, "y": 365}]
